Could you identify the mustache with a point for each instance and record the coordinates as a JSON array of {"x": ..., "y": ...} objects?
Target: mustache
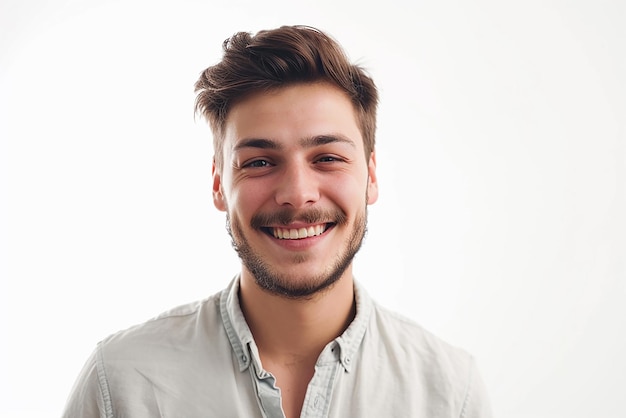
[{"x": 287, "y": 216}]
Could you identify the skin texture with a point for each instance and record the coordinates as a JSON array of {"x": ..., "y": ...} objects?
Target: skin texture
[{"x": 293, "y": 159}]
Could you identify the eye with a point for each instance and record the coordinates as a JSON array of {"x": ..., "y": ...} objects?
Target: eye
[
  {"x": 257, "y": 164},
  {"x": 328, "y": 159}
]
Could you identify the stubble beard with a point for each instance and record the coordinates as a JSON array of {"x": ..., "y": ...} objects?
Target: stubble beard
[{"x": 286, "y": 285}]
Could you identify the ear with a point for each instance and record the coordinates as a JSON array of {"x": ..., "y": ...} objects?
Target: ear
[
  {"x": 372, "y": 180},
  {"x": 218, "y": 195}
]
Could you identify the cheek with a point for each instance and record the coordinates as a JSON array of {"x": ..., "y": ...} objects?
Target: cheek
[
  {"x": 349, "y": 193},
  {"x": 248, "y": 199}
]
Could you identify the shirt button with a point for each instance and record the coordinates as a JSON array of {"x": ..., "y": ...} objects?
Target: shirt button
[
  {"x": 244, "y": 358},
  {"x": 347, "y": 360}
]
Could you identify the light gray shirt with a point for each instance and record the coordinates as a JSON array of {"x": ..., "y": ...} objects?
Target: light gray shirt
[{"x": 200, "y": 360}]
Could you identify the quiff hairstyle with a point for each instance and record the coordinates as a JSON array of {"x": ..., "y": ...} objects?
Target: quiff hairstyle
[{"x": 277, "y": 58}]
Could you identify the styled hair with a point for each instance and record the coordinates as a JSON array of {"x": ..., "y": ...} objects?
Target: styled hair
[{"x": 277, "y": 58}]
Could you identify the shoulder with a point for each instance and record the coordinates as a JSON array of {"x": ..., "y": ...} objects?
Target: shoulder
[
  {"x": 180, "y": 325},
  {"x": 397, "y": 330},
  {"x": 407, "y": 338},
  {"x": 436, "y": 371},
  {"x": 157, "y": 366},
  {"x": 401, "y": 359}
]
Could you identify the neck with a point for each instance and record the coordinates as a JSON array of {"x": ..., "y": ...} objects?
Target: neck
[{"x": 288, "y": 330}]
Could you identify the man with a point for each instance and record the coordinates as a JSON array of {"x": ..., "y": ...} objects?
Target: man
[{"x": 293, "y": 334}]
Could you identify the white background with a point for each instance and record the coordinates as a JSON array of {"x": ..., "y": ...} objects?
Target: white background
[{"x": 502, "y": 167}]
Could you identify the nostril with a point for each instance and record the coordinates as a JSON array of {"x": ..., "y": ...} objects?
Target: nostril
[{"x": 297, "y": 196}]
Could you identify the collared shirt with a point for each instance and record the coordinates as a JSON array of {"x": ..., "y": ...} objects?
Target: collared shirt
[{"x": 200, "y": 360}]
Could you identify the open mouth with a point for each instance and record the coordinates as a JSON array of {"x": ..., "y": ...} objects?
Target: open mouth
[{"x": 298, "y": 233}]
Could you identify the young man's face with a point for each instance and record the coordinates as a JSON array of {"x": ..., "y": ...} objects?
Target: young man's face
[{"x": 295, "y": 185}]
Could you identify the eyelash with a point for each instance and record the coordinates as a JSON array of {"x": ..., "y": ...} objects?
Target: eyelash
[
  {"x": 264, "y": 163},
  {"x": 328, "y": 159},
  {"x": 255, "y": 164}
]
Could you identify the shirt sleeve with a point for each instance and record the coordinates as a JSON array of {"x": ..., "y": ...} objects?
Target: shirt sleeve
[
  {"x": 476, "y": 404},
  {"x": 86, "y": 399}
]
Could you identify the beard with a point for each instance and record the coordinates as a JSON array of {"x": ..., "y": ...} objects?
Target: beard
[{"x": 287, "y": 285}]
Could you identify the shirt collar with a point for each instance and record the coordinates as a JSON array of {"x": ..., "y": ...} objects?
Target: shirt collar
[
  {"x": 235, "y": 324},
  {"x": 350, "y": 341},
  {"x": 243, "y": 344}
]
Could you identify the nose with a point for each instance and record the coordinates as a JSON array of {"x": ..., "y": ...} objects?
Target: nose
[{"x": 298, "y": 186}]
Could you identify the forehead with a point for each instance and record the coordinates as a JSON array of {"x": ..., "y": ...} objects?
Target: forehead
[{"x": 291, "y": 113}]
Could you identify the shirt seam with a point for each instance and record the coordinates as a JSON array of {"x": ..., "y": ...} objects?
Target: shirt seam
[
  {"x": 178, "y": 312},
  {"x": 105, "y": 390},
  {"x": 467, "y": 399}
]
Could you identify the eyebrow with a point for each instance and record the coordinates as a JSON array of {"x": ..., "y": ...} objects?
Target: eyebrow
[
  {"x": 256, "y": 143},
  {"x": 308, "y": 142},
  {"x": 318, "y": 140}
]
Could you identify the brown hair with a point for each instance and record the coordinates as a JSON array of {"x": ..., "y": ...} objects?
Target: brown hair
[{"x": 276, "y": 58}]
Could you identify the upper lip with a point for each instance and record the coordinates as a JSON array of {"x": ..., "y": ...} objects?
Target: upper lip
[{"x": 297, "y": 225}]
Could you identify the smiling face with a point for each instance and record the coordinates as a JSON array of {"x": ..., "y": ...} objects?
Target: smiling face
[{"x": 295, "y": 184}]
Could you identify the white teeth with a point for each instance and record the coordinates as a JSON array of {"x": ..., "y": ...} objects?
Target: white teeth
[{"x": 285, "y": 233}]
